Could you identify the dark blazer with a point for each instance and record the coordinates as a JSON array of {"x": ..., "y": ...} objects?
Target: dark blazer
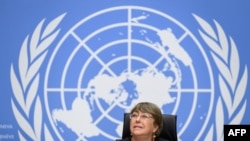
[{"x": 129, "y": 139}]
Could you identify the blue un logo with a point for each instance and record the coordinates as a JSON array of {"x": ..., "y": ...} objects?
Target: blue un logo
[{"x": 100, "y": 68}]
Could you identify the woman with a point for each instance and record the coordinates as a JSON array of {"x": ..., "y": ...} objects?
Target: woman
[{"x": 145, "y": 123}]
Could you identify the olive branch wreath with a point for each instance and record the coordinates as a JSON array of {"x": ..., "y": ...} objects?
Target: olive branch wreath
[
  {"x": 232, "y": 85},
  {"x": 25, "y": 81}
]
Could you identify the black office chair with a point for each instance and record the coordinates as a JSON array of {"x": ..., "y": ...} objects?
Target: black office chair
[{"x": 168, "y": 132}]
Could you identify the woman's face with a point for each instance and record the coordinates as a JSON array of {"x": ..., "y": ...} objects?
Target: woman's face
[{"x": 142, "y": 124}]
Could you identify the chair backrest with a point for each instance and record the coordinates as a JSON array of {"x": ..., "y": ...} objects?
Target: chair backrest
[{"x": 168, "y": 132}]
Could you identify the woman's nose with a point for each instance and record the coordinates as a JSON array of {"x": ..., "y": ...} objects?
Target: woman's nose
[{"x": 138, "y": 118}]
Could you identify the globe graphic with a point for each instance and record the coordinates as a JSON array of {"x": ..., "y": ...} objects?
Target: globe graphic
[{"x": 103, "y": 66}]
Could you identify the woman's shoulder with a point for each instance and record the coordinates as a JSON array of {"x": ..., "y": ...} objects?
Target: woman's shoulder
[{"x": 129, "y": 139}]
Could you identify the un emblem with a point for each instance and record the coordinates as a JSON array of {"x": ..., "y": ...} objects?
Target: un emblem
[{"x": 102, "y": 66}]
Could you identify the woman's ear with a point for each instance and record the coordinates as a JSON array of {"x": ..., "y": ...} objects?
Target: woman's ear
[{"x": 156, "y": 128}]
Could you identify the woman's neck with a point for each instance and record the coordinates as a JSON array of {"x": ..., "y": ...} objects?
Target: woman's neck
[{"x": 141, "y": 139}]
